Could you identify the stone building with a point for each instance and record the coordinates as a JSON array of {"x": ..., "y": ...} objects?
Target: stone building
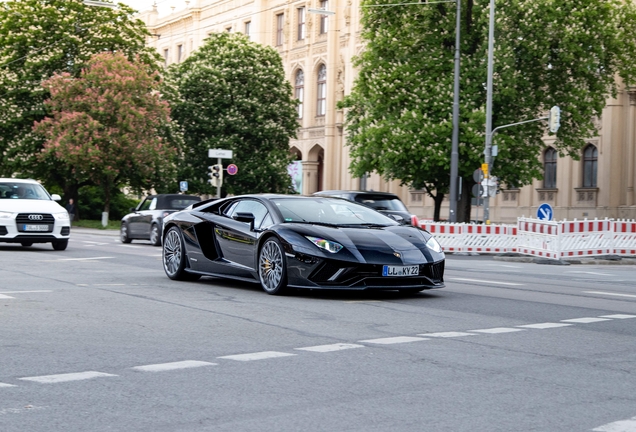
[{"x": 317, "y": 50}]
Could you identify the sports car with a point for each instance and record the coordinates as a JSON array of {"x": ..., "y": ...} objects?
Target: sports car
[{"x": 292, "y": 241}]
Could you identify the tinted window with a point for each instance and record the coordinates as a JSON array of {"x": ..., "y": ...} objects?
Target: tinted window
[
  {"x": 250, "y": 206},
  {"x": 381, "y": 202},
  {"x": 181, "y": 203},
  {"x": 330, "y": 211},
  {"x": 23, "y": 191}
]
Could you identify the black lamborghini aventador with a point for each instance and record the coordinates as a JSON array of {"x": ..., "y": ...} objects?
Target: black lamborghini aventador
[{"x": 291, "y": 241}]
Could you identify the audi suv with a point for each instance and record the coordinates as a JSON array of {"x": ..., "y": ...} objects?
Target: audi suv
[{"x": 29, "y": 214}]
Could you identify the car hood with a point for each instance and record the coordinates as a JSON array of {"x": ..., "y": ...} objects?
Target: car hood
[
  {"x": 30, "y": 206},
  {"x": 387, "y": 245}
]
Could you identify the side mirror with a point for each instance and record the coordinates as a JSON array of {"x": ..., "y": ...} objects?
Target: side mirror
[
  {"x": 56, "y": 197},
  {"x": 133, "y": 209},
  {"x": 245, "y": 217}
]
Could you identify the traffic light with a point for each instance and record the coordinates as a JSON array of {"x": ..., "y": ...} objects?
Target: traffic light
[
  {"x": 554, "y": 121},
  {"x": 216, "y": 175}
]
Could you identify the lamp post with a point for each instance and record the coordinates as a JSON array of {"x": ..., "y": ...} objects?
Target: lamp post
[
  {"x": 454, "y": 180},
  {"x": 488, "y": 149}
]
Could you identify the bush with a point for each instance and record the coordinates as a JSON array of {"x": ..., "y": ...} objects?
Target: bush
[{"x": 91, "y": 203}]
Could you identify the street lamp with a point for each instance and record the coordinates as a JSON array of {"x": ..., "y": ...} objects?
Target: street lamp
[
  {"x": 488, "y": 149},
  {"x": 454, "y": 180}
]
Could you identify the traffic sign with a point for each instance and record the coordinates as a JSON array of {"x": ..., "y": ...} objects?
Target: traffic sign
[
  {"x": 484, "y": 168},
  {"x": 183, "y": 186},
  {"x": 232, "y": 169},
  {"x": 478, "y": 191},
  {"x": 544, "y": 212},
  {"x": 220, "y": 154},
  {"x": 478, "y": 175}
]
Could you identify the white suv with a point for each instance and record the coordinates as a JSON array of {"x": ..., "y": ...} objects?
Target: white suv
[{"x": 28, "y": 214}]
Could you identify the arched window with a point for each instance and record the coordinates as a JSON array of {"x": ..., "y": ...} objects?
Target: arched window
[
  {"x": 590, "y": 166},
  {"x": 299, "y": 91},
  {"x": 549, "y": 168},
  {"x": 321, "y": 108}
]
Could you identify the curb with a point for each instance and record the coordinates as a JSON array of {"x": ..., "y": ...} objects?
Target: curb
[{"x": 583, "y": 261}]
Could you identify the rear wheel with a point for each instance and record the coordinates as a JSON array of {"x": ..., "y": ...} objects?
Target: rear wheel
[
  {"x": 60, "y": 245},
  {"x": 123, "y": 234},
  {"x": 272, "y": 267},
  {"x": 174, "y": 257},
  {"x": 26, "y": 244},
  {"x": 155, "y": 236}
]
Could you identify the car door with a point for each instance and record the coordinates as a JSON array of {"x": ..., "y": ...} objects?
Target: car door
[
  {"x": 139, "y": 222},
  {"x": 236, "y": 240}
]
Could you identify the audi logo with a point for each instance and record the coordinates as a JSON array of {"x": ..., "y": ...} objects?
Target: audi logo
[{"x": 35, "y": 217}]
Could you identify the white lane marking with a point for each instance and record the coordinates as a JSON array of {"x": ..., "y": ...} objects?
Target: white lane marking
[
  {"x": 330, "y": 348},
  {"x": 78, "y": 259},
  {"x": 5, "y": 297},
  {"x": 484, "y": 281},
  {"x": 618, "y": 316},
  {"x": 93, "y": 243},
  {"x": 618, "y": 426},
  {"x": 610, "y": 294},
  {"x": 6, "y": 385},
  {"x": 503, "y": 265},
  {"x": 543, "y": 325},
  {"x": 78, "y": 376},
  {"x": 160, "y": 367},
  {"x": 20, "y": 292},
  {"x": 588, "y": 272},
  {"x": 447, "y": 334},
  {"x": 585, "y": 320},
  {"x": 497, "y": 330},
  {"x": 393, "y": 340},
  {"x": 257, "y": 356}
]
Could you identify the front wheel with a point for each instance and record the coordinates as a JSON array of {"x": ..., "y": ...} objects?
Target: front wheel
[
  {"x": 155, "y": 236},
  {"x": 123, "y": 234},
  {"x": 174, "y": 257},
  {"x": 272, "y": 267},
  {"x": 60, "y": 245}
]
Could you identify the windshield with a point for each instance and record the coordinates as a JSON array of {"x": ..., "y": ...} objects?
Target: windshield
[
  {"x": 34, "y": 191},
  {"x": 330, "y": 211},
  {"x": 381, "y": 202}
]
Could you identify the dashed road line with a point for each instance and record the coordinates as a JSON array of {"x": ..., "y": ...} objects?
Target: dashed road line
[
  {"x": 610, "y": 294},
  {"x": 585, "y": 320},
  {"x": 484, "y": 281},
  {"x": 257, "y": 356},
  {"x": 447, "y": 334},
  {"x": 497, "y": 330},
  {"x": 331, "y": 347},
  {"x": 618, "y": 316},
  {"x": 161, "y": 367},
  {"x": 628, "y": 425},
  {"x": 78, "y": 259},
  {"x": 6, "y": 385},
  {"x": 20, "y": 292},
  {"x": 393, "y": 340},
  {"x": 542, "y": 326},
  {"x": 2, "y": 296},
  {"x": 77, "y": 376}
]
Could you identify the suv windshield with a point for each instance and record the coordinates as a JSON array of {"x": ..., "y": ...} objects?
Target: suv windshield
[
  {"x": 332, "y": 211},
  {"x": 34, "y": 191}
]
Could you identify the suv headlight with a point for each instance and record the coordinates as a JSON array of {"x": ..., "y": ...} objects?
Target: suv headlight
[
  {"x": 6, "y": 215},
  {"x": 328, "y": 245},
  {"x": 61, "y": 216},
  {"x": 432, "y": 244}
]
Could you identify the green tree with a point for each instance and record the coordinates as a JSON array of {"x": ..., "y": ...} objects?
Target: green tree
[
  {"x": 105, "y": 125},
  {"x": 232, "y": 94},
  {"x": 399, "y": 117},
  {"x": 39, "y": 38}
]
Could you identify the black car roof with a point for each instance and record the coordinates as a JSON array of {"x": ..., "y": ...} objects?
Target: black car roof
[{"x": 356, "y": 192}]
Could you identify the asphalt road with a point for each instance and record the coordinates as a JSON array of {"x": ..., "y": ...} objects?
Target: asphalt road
[{"x": 97, "y": 338}]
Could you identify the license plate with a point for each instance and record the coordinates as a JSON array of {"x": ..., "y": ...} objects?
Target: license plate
[
  {"x": 400, "y": 270},
  {"x": 35, "y": 228}
]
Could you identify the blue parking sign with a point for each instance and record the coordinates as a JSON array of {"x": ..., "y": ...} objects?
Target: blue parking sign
[
  {"x": 183, "y": 186},
  {"x": 544, "y": 212}
]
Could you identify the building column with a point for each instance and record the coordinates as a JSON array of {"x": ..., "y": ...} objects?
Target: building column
[
  {"x": 630, "y": 143},
  {"x": 310, "y": 177}
]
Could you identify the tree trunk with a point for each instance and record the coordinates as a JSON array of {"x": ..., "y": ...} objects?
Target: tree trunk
[
  {"x": 437, "y": 198},
  {"x": 463, "y": 206}
]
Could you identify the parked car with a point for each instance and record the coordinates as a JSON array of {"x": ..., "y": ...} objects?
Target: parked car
[
  {"x": 291, "y": 241},
  {"x": 28, "y": 214},
  {"x": 145, "y": 222},
  {"x": 384, "y": 202}
]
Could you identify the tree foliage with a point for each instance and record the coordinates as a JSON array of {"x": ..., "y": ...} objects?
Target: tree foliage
[
  {"x": 39, "y": 38},
  {"x": 105, "y": 125},
  {"x": 399, "y": 117},
  {"x": 232, "y": 94}
]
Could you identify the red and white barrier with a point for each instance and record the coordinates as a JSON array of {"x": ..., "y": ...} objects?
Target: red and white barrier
[{"x": 546, "y": 239}]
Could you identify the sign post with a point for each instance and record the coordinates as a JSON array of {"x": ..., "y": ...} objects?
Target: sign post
[{"x": 219, "y": 154}]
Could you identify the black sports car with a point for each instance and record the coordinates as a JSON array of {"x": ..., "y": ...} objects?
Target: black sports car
[{"x": 291, "y": 241}]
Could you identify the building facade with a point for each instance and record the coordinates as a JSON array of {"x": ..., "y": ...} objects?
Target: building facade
[{"x": 317, "y": 52}]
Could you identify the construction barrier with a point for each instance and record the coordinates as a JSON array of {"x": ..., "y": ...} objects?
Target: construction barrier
[{"x": 540, "y": 238}]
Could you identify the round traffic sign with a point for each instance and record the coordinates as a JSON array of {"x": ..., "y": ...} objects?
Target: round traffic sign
[{"x": 232, "y": 169}]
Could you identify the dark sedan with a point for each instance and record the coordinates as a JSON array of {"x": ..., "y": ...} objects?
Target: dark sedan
[
  {"x": 145, "y": 222},
  {"x": 287, "y": 241},
  {"x": 384, "y": 202}
]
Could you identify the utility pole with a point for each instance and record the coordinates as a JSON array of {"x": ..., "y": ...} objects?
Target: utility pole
[
  {"x": 454, "y": 180},
  {"x": 488, "y": 149}
]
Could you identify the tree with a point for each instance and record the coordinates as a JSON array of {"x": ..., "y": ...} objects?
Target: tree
[
  {"x": 105, "y": 125},
  {"x": 39, "y": 38},
  {"x": 232, "y": 94},
  {"x": 399, "y": 114}
]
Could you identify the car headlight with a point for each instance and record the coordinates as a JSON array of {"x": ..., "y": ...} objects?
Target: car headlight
[
  {"x": 328, "y": 245},
  {"x": 6, "y": 215},
  {"x": 61, "y": 216},
  {"x": 432, "y": 244}
]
